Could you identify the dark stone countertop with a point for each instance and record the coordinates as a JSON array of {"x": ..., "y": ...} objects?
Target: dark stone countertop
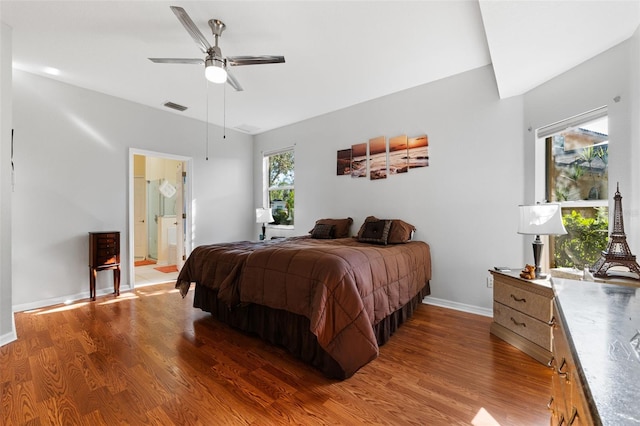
[{"x": 602, "y": 324}]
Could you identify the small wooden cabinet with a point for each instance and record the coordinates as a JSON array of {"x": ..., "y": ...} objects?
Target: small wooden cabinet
[
  {"x": 523, "y": 314},
  {"x": 104, "y": 254}
]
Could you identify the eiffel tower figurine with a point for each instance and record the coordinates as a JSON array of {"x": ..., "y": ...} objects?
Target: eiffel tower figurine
[{"x": 618, "y": 252}]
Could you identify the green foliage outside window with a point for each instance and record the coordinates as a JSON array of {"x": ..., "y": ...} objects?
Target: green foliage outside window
[
  {"x": 281, "y": 187},
  {"x": 586, "y": 238},
  {"x": 282, "y": 202},
  {"x": 578, "y": 173}
]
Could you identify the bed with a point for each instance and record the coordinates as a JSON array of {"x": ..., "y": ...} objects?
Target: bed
[{"x": 331, "y": 302}]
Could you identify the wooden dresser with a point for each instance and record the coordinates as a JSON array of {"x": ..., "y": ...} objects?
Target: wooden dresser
[
  {"x": 523, "y": 314},
  {"x": 596, "y": 346},
  {"x": 568, "y": 403},
  {"x": 104, "y": 254}
]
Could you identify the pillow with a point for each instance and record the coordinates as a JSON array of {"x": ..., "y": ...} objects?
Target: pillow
[
  {"x": 342, "y": 226},
  {"x": 323, "y": 231},
  {"x": 400, "y": 232},
  {"x": 375, "y": 232},
  {"x": 368, "y": 219}
]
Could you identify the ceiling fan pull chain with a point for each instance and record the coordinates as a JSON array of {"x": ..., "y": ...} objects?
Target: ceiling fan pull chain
[
  {"x": 206, "y": 120},
  {"x": 224, "y": 112}
]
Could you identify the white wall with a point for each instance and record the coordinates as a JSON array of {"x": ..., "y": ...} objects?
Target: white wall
[
  {"x": 7, "y": 330},
  {"x": 590, "y": 85},
  {"x": 464, "y": 204},
  {"x": 71, "y": 159},
  {"x": 631, "y": 202}
]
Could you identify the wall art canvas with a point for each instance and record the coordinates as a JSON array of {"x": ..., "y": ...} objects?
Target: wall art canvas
[
  {"x": 418, "y": 152},
  {"x": 359, "y": 160},
  {"x": 398, "y": 155},
  {"x": 343, "y": 162},
  {"x": 378, "y": 158}
]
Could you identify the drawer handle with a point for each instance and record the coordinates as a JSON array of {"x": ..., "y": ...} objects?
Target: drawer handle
[
  {"x": 550, "y": 403},
  {"x": 521, "y": 324},
  {"x": 550, "y": 363},
  {"x": 517, "y": 299},
  {"x": 561, "y": 373},
  {"x": 574, "y": 416},
  {"x": 552, "y": 322}
]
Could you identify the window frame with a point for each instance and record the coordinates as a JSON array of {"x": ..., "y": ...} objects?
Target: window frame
[
  {"x": 265, "y": 182},
  {"x": 543, "y": 160}
]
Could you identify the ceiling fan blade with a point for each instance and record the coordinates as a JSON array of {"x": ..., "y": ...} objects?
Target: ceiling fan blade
[
  {"x": 191, "y": 28},
  {"x": 254, "y": 60},
  {"x": 233, "y": 82},
  {"x": 177, "y": 61}
]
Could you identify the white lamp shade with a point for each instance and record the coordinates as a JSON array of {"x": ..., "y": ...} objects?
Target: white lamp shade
[
  {"x": 541, "y": 219},
  {"x": 263, "y": 215}
]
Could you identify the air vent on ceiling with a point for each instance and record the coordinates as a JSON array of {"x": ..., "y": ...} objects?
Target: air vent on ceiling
[{"x": 175, "y": 106}]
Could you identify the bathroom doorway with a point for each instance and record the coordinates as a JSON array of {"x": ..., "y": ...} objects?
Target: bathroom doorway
[{"x": 159, "y": 216}]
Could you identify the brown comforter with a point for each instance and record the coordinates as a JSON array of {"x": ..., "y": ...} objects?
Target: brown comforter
[{"x": 342, "y": 286}]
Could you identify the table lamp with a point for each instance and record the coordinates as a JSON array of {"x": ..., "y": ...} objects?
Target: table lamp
[
  {"x": 263, "y": 216},
  {"x": 540, "y": 219}
]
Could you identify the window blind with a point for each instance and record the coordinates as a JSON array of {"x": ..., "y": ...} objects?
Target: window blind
[{"x": 575, "y": 121}]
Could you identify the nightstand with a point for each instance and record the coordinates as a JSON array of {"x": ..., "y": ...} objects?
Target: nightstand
[{"x": 523, "y": 313}]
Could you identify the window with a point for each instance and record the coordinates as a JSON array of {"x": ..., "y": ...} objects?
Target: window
[
  {"x": 279, "y": 192},
  {"x": 577, "y": 175}
]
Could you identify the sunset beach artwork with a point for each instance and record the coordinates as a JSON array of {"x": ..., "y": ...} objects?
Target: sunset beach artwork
[
  {"x": 378, "y": 158},
  {"x": 418, "y": 152},
  {"x": 398, "y": 155},
  {"x": 359, "y": 160},
  {"x": 343, "y": 162}
]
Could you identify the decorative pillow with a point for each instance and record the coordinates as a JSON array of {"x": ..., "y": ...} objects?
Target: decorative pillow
[
  {"x": 323, "y": 231},
  {"x": 375, "y": 232},
  {"x": 400, "y": 232},
  {"x": 368, "y": 219},
  {"x": 342, "y": 226}
]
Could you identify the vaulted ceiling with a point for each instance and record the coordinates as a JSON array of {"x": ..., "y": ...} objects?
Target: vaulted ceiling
[{"x": 338, "y": 53}]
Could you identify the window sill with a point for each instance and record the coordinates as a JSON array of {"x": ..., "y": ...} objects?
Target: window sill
[{"x": 280, "y": 227}]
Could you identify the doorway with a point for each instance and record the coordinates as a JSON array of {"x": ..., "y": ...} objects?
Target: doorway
[{"x": 159, "y": 216}]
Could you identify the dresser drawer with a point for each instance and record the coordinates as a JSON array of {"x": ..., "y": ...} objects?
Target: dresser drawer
[
  {"x": 558, "y": 404},
  {"x": 106, "y": 242},
  {"x": 535, "y": 305},
  {"x": 106, "y": 257},
  {"x": 530, "y": 328}
]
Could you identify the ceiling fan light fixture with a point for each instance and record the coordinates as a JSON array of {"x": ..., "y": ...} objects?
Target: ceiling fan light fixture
[{"x": 215, "y": 70}]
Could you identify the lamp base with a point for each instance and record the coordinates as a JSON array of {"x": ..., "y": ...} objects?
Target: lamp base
[{"x": 537, "y": 251}]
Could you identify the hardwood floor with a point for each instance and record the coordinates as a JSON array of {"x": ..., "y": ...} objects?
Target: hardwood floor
[{"x": 149, "y": 357}]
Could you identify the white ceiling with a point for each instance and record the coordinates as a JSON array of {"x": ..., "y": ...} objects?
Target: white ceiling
[{"x": 338, "y": 53}]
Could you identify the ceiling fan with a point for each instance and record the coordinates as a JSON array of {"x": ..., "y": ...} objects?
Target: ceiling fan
[{"x": 215, "y": 64}]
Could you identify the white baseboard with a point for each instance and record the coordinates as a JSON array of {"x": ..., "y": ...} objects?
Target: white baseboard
[
  {"x": 9, "y": 337},
  {"x": 458, "y": 306},
  {"x": 64, "y": 299}
]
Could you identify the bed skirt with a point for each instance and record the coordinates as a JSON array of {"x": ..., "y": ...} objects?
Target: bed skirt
[{"x": 291, "y": 331}]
